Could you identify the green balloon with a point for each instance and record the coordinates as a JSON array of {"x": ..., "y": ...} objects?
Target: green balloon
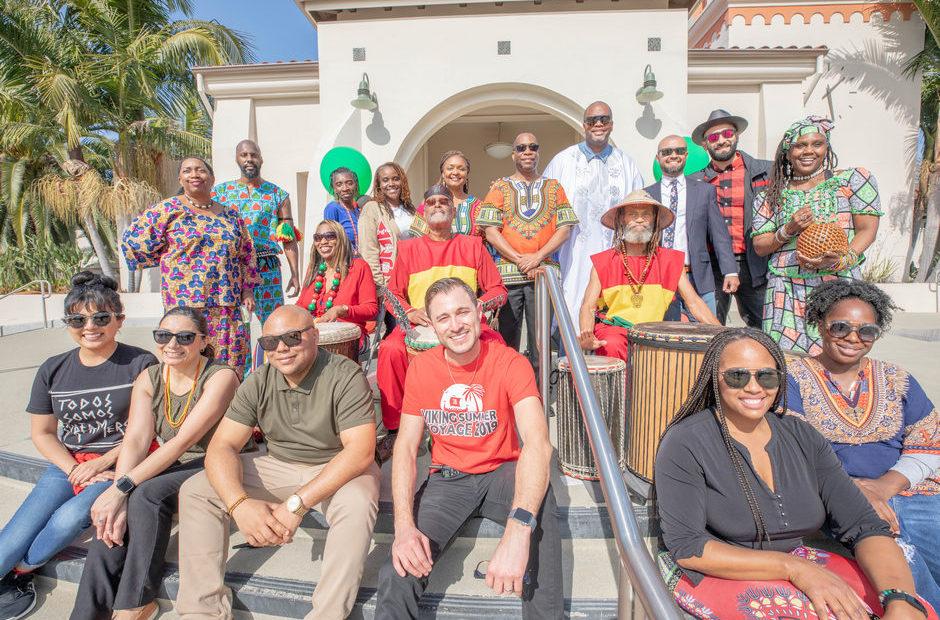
[
  {"x": 346, "y": 157},
  {"x": 698, "y": 159}
]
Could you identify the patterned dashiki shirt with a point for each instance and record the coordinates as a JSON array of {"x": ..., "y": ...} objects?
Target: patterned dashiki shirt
[
  {"x": 888, "y": 415},
  {"x": 258, "y": 208},
  {"x": 528, "y": 215}
]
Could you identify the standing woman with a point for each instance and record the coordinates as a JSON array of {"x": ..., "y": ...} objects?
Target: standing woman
[
  {"x": 79, "y": 401},
  {"x": 455, "y": 175},
  {"x": 344, "y": 184},
  {"x": 180, "y": 401},
  {"x": 806, "y": 187},
  {"x": 338, "y": 287},
  {"x": 206, "y": 258}
]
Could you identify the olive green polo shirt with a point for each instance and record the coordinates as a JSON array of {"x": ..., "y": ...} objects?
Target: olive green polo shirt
[{"x": 302, "y": 424}]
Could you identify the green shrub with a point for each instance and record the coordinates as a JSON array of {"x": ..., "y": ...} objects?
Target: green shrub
[{"x": 38, "y": 260}]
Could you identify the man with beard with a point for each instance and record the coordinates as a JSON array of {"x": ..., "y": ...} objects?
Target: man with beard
[
  {"x": 596, "y": 176},
  {"x": 737, "y": 178},
  {"x": 420, "y": 263},
  {"x": 265, "y": 210},
  {"x": 636, "y": 280},
  {"x": 490, "y": 457},
  {"x": 698, "y": 226},
  {"x": 525, "y": 217}
]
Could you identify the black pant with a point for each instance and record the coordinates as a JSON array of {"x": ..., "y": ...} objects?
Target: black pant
[
  {"x": 443, "y": 506},
  {"x": 129, "y": 576},
  {"x": 520, "y": 304},
  {"x": 750, "y": 298}
]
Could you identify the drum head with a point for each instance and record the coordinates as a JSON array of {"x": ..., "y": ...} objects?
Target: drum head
[
  {"x": 595, "y": 364},
  {"x": 673, "y": 334},
  {"x": 337, "y": 331},
  {"x": 423, "y": 339}
]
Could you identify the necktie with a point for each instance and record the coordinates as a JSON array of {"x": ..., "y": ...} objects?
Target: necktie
[{"x": 670, "y": 232}]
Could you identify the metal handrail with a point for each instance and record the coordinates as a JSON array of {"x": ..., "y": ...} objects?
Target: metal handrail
[
  {"x": 635, "y": 558},
  {"x": 45, "y": 292}
]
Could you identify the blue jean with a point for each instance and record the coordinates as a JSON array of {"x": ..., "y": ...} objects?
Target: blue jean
[
  {"x": 47, "y": 521},
  {"x": 918, "y": 517},
  {"x": 677, "y": 309}
]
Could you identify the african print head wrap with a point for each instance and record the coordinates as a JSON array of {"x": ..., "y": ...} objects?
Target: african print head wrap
[{"x": 808, "y": 125}]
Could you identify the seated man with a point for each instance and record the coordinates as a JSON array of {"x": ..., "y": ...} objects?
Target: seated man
[
  {"x": 420, "y": 262},
  {"x": 473, "y": 396},
  {"x": 636, "y": 280},
  {"x": 315, "y": 409}
]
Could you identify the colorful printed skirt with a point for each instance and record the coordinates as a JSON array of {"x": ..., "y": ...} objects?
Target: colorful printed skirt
[
  {"x": 785, "y": 312},
  {"x": 268, "y": 296},
  {"x": 228, "y": 335},
  {"x": 729, "y": 599}
]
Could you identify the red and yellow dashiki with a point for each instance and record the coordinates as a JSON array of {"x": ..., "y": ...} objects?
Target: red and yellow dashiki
[
  {"x": 615, "y": 305},
  {"x": 421, "y": 262}
]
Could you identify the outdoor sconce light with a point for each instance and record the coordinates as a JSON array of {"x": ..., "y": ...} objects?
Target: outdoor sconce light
[
  {"x": 648, "y": 93},
  {"x": 365, "y": 98}
]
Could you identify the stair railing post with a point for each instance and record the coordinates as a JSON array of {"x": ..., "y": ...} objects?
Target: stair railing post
[{"x": 543, "y": 327}]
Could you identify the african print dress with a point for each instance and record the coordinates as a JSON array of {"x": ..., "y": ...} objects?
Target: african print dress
[
  {"x": 836, "y": 199},
  {"x": 207, "y": 261}
]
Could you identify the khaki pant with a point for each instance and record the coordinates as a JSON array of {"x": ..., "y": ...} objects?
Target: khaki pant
[{"x": 204, "y": 536}]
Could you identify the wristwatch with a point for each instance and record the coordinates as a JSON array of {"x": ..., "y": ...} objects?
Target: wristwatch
[
  {"x": 125, "y": 485},
  {"x": 887, "y": 596},
  {"x": 296, "y": 505},
  {"x": 523, "y": 516}
]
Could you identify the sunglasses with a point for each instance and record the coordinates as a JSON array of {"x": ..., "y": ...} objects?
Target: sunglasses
[
  {"x": 867, "y": 332},
  {"x": 184, "y": 339},
  {"x": 520, "y": 148},
  {"x": 291, "y": 339},
  {"x": 603, "y": 119},
  {"x": 737, "y": 378},
  {"x": 98, "y": 319},
  {"x": 327, "y": 236},
  {"x": 724, "y": 133},
  {"x": 678, "y": 150}
]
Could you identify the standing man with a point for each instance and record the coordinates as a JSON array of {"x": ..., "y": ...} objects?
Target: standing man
[
  {"x": 525, "y": 217},
  {"x": 737, "y": 178},
  {"x": 596, "y": 176},
  {"x": 265, "y": 210},
  {"x": 698, "y": 226},
  {"x": 490, "y": 456}
]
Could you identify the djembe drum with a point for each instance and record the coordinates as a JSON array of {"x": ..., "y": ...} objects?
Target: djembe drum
[
  {"x": 609, "y": 382},
  {"x": 662, "y": 363},
  {"x": 340, "y": 337},
  {"x": 420, "y": 340},
  {"x": 821, "y": 237}
]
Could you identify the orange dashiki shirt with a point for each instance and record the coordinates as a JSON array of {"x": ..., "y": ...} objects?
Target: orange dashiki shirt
[{"x": 615, "y": 305}]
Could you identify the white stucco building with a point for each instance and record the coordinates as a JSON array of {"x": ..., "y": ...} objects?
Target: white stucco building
[{"x": 454, "y": 74}]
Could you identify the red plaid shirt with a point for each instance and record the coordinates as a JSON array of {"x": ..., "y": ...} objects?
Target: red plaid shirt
[{"x": 729, "y": 183}]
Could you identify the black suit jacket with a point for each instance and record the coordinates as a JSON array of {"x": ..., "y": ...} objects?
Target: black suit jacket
[{"x": 704, "y": 226}]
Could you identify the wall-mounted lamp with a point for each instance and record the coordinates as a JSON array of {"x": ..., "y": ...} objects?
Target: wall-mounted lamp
[
  {"x": 365, "y": 98},
  {"x": 648, "y": 93},
  {"x": 498, "y": 149}
]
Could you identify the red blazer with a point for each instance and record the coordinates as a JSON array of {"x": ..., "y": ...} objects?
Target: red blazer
[{"x": 356, "y": 290}]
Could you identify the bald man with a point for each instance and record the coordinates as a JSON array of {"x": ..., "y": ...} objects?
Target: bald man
[
  {"x": 315, "y": 409},
  {"x": 265, "y": 209},
  {"x": 596, "y": 176},
  {"x": 698, "y": 230}
]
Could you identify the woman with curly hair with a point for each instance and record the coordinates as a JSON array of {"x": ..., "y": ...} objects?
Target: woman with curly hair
[
  {"x": 738, "y": 487},
  {"x": 807, "y": 187},
  {"x": 455, "y": 176},
  {"x": 877, "y": 417}
]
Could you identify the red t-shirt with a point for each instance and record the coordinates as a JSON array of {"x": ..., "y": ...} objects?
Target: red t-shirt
[{"x": 473, "y": 426}]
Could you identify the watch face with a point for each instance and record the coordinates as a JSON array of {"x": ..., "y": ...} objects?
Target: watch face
[{"x": 293, "y": 503}]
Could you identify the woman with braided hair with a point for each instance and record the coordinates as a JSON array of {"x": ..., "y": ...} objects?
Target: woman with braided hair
[
  {"x": 739, "y": 485},
  {"x": 344, "y": 185},
  {"x": 807, "y": 187}
]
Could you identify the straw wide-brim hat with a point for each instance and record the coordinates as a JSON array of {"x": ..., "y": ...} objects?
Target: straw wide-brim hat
[{"x": 636, "y": 198}]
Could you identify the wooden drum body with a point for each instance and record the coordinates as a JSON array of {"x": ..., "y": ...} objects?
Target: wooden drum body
[
  {"x": 662, "y": 363},
  {"x": 422, "y": 339},
  {"x": 609, "y": 382},
  {"x": 340, "y": 337}
]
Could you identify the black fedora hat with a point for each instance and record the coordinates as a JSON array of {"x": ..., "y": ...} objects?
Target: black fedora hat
[{"x": 718, "y": 116}]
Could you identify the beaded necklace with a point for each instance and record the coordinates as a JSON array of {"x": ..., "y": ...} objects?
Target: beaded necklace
[
  {"x": 318, "y": 291},
  {"x": 636, "y": 284},
  {"x": 177, "y": 422},
  {"x": 349, "y": 218}
]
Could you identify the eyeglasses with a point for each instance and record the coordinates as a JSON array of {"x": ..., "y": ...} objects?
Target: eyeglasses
[
  {"x": 724, "y": 133},
  {"x": 737, "y": 378},
  {"x": 98, "y": 319},
  {"x": 291, "y": 339},
  {"x": 867, "y": 332},
  {"x": 184, "y": 339},
  {"x": 520, "y": 148},
  {"x": 678, "y": 150},
  {"x": 603, "y": 119},
  {"x": 327, "y": 236}
]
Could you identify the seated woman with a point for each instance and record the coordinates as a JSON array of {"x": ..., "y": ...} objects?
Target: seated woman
[
  {"x": 878, "y": 419},
  {"x": 179, "y": 402},
  {"x": 738, "y": 487},
  {"x": 337, "y": 286},
  {"x": 79, "y": 403}
]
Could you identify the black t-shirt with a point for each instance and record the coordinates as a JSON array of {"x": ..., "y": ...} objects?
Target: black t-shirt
[{"x": 91, "y": 402}]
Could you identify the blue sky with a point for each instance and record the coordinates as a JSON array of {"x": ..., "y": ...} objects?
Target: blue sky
[{"x": 277, "y": 28}]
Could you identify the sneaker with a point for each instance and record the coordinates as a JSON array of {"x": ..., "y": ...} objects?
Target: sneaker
[{"x": 17, "y": 596}]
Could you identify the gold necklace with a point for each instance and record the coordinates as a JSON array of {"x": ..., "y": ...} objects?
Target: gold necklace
[
  {"x": 177, "y": 422},
  {"x": 453, "y": 380},
  {"x": 635, "y": 284}
]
